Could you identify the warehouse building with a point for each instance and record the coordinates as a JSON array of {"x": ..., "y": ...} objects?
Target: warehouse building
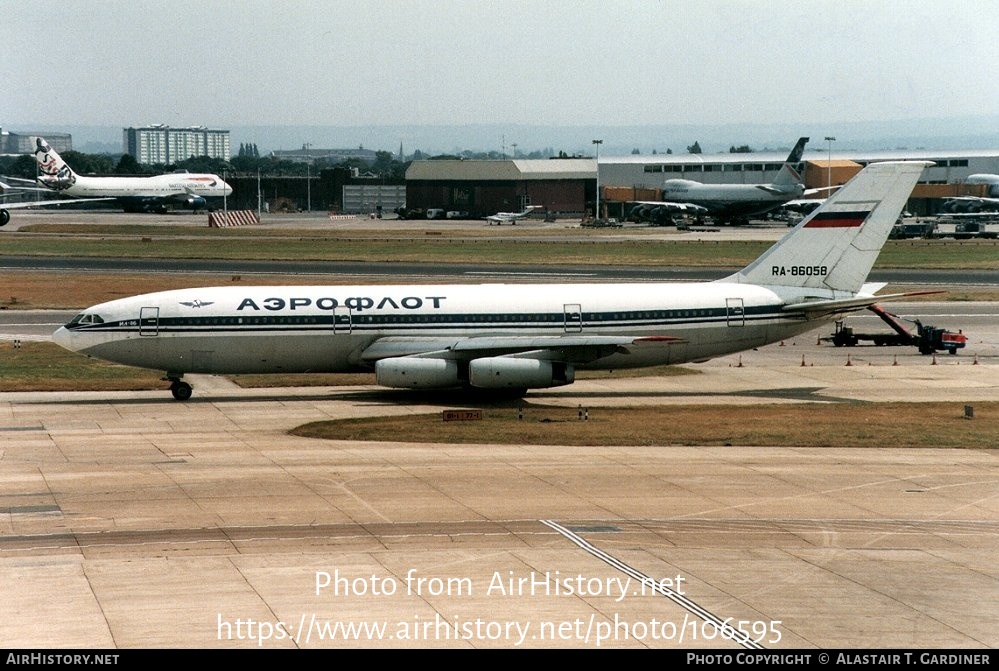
[{"x": 482, "y": 188}]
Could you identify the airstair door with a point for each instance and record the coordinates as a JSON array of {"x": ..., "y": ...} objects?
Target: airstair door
[
  {"x": 573, "y": 317},
  {"x": 342, "y": 322},
  {"x": 735, "y": 312},
  {"x": 149, "y": 321}
]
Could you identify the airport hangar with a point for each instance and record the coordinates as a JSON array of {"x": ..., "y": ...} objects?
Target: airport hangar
[{"x": 568, "y": 186}]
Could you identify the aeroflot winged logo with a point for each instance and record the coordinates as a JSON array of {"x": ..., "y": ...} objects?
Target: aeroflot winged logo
[{"x": 197, "y": 303}]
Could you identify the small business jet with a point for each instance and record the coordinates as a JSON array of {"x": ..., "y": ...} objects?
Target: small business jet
[
  {"x": 512, "y": 217},
  {"x": 136, "y": 194},
  {"x": 510, "y": 337},
  {"x": 734, "y": 203}
]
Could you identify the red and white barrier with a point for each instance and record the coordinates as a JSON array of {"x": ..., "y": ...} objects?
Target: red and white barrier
[{"x": 232, "y": 218}]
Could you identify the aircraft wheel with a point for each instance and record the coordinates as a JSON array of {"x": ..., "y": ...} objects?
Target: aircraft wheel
[
  {"x": 181, "y": 390},
  {"x": 4, "y": 217}
]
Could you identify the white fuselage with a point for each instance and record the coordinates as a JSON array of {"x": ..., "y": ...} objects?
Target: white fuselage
[
  {"x": 341, "y": 328},
  {"x": 730, "y": 198},
  {"x": 157, "y": 186}
]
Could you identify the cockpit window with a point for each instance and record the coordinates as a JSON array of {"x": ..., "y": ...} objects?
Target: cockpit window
[{"x": 85, "y": 318}]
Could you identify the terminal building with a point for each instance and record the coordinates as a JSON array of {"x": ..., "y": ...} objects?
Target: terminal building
[
  {"x": 569, "y": 186},
  {"x": 160, "y": 144}
]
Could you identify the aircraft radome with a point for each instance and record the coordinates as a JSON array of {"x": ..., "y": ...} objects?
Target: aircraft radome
[{"x": 510, "y": 336}]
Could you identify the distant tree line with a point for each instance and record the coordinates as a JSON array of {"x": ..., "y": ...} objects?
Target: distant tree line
[{"x": 387, "y": 166}]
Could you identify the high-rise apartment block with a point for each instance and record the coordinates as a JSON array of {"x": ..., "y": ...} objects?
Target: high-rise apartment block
[{"x": 164, "y": 144}]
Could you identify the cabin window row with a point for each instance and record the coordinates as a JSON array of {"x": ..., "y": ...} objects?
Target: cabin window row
[{"x": 297, "y": 320}]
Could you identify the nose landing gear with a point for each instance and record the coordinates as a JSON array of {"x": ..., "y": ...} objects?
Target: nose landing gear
[{"x": 181, "y": 390}]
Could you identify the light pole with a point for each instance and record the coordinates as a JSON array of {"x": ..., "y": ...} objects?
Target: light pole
[
  {"x": 598, "y": 143},
  {"x": 308, "y": 176},
  {"x": 830, "y": 139},
  {"x": 225, "y": 195}
]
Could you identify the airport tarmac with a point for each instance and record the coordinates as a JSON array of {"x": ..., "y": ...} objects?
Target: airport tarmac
[
  {"x": 345, "y": 223},
  {"x": 128, "y": 520}
]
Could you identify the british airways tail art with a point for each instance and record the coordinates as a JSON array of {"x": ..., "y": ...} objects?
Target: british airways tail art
[
  {"x": 510, "y": 336},
  {"x": 136, "y": 194}
]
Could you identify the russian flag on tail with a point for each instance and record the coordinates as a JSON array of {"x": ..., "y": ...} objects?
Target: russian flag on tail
[{"x": 838, "y": 219}]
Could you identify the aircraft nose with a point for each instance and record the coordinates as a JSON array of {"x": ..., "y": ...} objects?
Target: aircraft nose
[{"x": 64, "y": 338}]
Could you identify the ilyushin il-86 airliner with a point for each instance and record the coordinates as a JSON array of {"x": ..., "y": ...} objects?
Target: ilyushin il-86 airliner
[{"x": 511, "y": 337}]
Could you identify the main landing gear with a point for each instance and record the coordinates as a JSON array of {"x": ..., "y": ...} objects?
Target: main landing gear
[{"x": 181, "y": 390}]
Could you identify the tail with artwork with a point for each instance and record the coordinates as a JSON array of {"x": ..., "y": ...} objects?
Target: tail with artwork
[
  {"x": 833, "y": 249},
  {"x": 52, "y": 170},
  {"x": 789, "y": 178}
]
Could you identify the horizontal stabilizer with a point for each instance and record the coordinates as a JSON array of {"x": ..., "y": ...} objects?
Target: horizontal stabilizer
[{"x": 818, "y": 309}]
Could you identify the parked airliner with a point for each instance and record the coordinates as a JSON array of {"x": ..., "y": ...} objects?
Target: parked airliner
[
  {"x": 976, "y": 204},
  {"x": 511, "y": 337},
  {"x": 734, "y": 203},
  {"x": 136, "y": 194}
]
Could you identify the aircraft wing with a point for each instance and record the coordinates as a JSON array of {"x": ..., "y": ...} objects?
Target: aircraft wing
[
  {"x": 574, "y": 349},
  {"x": 16, "y": 182},
  {"x": 58, "y": 201},
  {"x": 974, "y": 199},
  {"x": 674, "y": 206},
  {"x": 5, "y": 207}
]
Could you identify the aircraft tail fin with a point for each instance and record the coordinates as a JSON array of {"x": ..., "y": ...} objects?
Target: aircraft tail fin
[
  {"x": 789, "y": 174},
  {"x": 53, "y": 171},
  {"x": 834, "y": 248}
]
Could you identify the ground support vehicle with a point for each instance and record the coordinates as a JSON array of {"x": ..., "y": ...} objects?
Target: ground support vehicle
[{"x": 929, "y": 339}]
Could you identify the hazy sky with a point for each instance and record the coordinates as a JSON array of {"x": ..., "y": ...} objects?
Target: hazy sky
[{"x": 551, "y": 62}]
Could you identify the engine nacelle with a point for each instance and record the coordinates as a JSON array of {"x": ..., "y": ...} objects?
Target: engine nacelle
[
  {"x": 410, "y": 372},
  {"x": 512, "y": 373},
  {"x": 192, "y": 202}
]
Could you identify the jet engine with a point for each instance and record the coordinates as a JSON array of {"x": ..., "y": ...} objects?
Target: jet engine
[
  {"x": 410, "y": 372},
  {"x": 191, "y": 202},
  {"x": 513, "y": 373}
]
